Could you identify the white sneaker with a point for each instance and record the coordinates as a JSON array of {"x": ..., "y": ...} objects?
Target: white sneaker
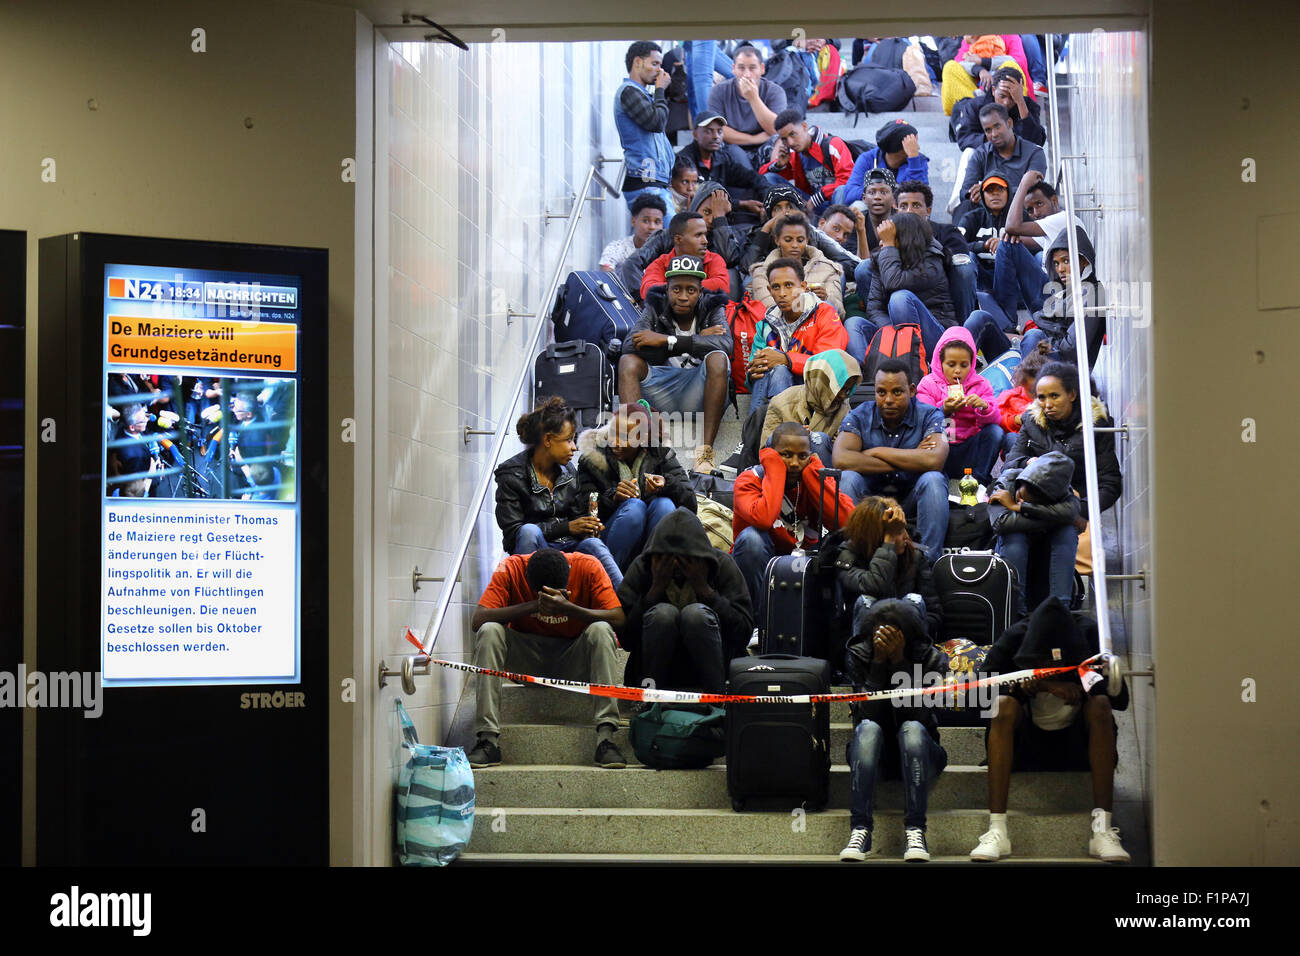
[
  {"x": 917, "y": 851},
  {"x": 752, "y": 648},
  {"x": 859, "y": 846},
  {"x": 1104, "y": 844},
  {"x": 993, "y": 845}
]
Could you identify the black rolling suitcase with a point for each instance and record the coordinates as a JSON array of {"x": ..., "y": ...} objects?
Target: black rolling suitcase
[
  {"x": 797, "y": 611},
  {"x": 594, "y": 307},
  {"x": 779, "y": 754},
  {"x": 977, "y": 591},
  {"x": 579, "y": 373}
]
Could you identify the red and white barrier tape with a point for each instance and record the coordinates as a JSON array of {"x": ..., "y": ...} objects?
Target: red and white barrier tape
[{"x": 655, "y": 695}]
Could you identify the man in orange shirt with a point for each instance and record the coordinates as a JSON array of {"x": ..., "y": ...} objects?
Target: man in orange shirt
[{"x": 549, "y": 614}]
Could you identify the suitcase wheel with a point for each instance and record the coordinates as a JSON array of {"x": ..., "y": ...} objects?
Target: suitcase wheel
[{"x": 738, "y": 806}]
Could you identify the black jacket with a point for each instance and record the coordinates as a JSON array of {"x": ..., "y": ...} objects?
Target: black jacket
[
  {"x": 711, "y": 310},
  {"x": 1050, "y": 475},
  {"x": 632, "y": 269},
  {"x": 681, "y": 533},
  {"x": 522, "y": 500},
  {"x": 866, "y": 673},
  {"x": 1056, "y": 317},
  {"x": 977, "y": 226},
  {"x": 1039, "y": 435},
  {"x": 730, "y": 167},
  {"x": 598, "y": 472},
  {"x": 879, "y": 576},
  {"x": 929, "y": 281}
]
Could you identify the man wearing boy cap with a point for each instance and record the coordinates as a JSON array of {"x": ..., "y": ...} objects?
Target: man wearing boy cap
[
  {"x": 726, "y": 164},
  {"x": 897, "y": 150},
  {"x": 677, "y": 354}
]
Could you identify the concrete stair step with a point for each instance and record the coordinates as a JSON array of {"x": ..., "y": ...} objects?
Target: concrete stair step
[
  {"x": 650, "y": 831},
  {"x": 575, "y": 744},
  {"x": 731, "y": 859},
  {"x": 544, "y": 786}
]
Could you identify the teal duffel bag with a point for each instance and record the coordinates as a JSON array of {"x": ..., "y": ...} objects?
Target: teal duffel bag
[
  {"x": 435, "y": 800},
  {"x": 678, "y": 736}
]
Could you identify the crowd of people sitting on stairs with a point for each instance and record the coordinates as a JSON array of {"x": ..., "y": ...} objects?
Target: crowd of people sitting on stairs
[{"x": 771, "y": 257}]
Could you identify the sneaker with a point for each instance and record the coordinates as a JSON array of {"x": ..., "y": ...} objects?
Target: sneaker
[
  {"x": 1104, "y": 843},
  {"x": 609, "y": 756},
  {"x": 992, "y": 846},
  {"x": 703, "y": 460},
  {"x": 484, "y": 754},
  {"x": 859, "y": 846},
  {"x": 917, "y": 851},
  {"x": 1040, "y": 89}
]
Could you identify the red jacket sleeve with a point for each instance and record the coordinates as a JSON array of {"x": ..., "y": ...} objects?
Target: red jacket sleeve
[
  {"x": 716, "y": 278},
  {"x": 827, "y": 332},
  {"x": 1011, "y": 404},
  {"x": 758, "y": 500},
  {"x": 812, "y": 483},
  {"x": 654, "y": 275},
  {"x": 843, "y": 167},
  {"x": 826, "y": 86}
]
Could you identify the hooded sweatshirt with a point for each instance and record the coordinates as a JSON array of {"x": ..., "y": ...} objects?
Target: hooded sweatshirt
[
  {"x": 809, "y": 404},
  {"x": 1050, "y": 476},
  {"x": 1056, "y": 317},
  {"x": 933, "y": 390},
  {"x": 721, "y": 239},
  {"x": 681, "y": 533}
]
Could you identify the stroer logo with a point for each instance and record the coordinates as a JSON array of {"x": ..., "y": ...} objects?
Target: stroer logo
[{"x": 77, "y": 909}]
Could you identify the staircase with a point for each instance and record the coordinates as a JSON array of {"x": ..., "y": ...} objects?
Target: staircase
[{"x": 548, "y": 804}]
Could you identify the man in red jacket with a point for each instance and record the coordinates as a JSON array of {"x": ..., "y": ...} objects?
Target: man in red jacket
[
  {"x": 816, "y": 163},
  {"x": 690, "y": 235},
  {"x": 781, "y": 504}
]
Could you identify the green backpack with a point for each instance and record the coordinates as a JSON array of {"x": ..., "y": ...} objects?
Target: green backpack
[{"x": 678, "y": 736}]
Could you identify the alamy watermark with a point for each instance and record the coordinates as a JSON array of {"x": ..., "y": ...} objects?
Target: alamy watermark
[
  {"x": 76, "y": 690},
  {"x": 970, "y": 698}
]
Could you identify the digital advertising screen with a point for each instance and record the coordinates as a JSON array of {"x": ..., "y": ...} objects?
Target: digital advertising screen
[{"x": 201, "y": 504}]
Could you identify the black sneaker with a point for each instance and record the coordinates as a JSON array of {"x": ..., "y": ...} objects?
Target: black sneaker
[
  {"x": 917, "y": 851},
  {"x": 484, "y": 754},
  {"x": 609, "y": 756}
]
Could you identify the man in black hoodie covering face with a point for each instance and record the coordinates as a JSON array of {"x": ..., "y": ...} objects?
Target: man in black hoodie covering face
[
  {"x": 1056, "y": 723},
  {"x": 686, "y": 606}
]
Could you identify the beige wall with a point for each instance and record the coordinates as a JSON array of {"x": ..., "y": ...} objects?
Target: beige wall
[{"x": 167, "y": 154}]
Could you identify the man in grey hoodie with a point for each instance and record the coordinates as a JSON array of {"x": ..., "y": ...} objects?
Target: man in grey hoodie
[
  {"x": 1036, "y": 504},
  {"x": 721, "y": 240}
]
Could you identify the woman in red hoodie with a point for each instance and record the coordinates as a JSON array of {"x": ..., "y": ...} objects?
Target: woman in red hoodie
[{"x": 1012, "y": 403}]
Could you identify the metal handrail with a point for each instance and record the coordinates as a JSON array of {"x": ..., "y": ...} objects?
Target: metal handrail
[
  {"x": 1066, "y": 189},
  {"x": 452, "y": 574}
]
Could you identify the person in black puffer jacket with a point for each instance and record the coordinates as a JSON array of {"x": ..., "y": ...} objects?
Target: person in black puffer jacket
[
  {"x": 1055, "y": 422},
  {"x": 893, "y": 649},
  {"x": 538, "y": 504},
  {"x": 911, "y": 284},
  {"x": 635, "y": 476}
]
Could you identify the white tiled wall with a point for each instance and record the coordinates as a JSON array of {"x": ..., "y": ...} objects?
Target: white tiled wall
[
  {"x": 1108, "y": 107},
  {"x": 480, "y": 146}
]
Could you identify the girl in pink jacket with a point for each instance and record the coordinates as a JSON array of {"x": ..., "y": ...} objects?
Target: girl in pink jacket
[{"x": 966, "y": 399}]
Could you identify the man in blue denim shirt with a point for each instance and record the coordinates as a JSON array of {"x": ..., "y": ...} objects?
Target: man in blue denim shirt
[{"x": 896, "y": 446}]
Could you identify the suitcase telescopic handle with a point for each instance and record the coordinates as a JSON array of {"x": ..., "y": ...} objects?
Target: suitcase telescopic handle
[
  {"x": 821, "y": 500},
  {"x": 566, "y": 349}
]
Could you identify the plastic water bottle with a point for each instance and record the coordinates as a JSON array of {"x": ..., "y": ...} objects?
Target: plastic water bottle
[{"x": 968, "y": 487}]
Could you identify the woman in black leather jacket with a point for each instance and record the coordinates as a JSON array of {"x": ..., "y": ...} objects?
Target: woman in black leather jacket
[{"x": 538, "y": 502}]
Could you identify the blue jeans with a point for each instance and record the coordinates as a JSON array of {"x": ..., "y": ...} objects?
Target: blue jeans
[
  {"x": 979, "y": 453},
  {"x": 631, "y": 524},
  {"x": 530, "y": 539},
  {"x": 864, "y": 273},
  {"x": 922, "y": 761},
  {"x": 961, "y": 286},
  {"x": 663, "y": 192},
  {"x": 1062, "y": 547},
  {"x": 776, "y": 179},
  {"x": 679, "y": 390},
  {"x": 905, "y": 307},
  {"x": 1034, "y": 58},
  {"x": 1008, "y": 443},
  {"x": 703, "y": 58},
  {"x": 1031, "y": 340},
  {"x": 988, "y": 335},
  {"x": 861, "y": 330},
  {"x": 751, "y": 552},
  {"x": 927, "y": 501},
  {"x": 1018, "y": 276},
  {"x": 863, "y": 605},
  {"x": 772, "y": 384},
  {"x": 822, "y": 444}
]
